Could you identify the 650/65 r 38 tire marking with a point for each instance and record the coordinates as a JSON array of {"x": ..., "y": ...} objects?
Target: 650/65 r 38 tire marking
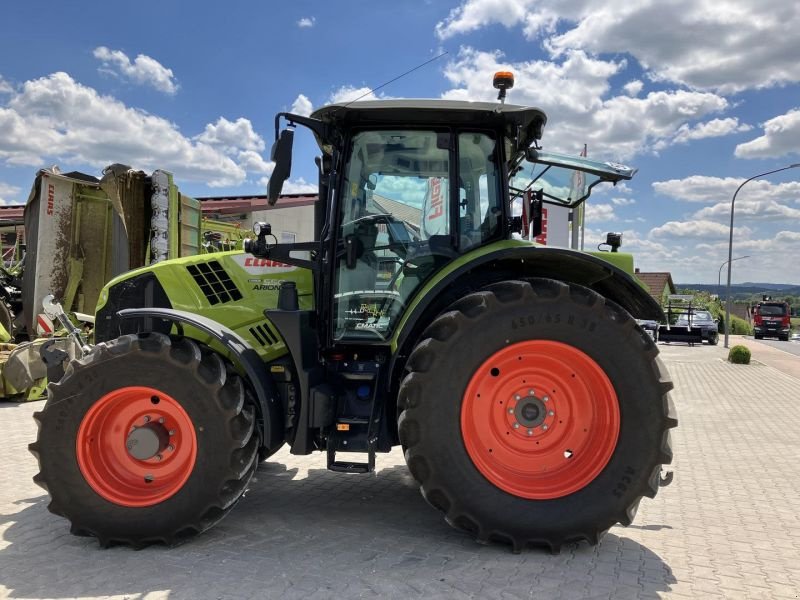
[
  {"x": 540, "y": 419},
  {"x": 136, "y": 446}
]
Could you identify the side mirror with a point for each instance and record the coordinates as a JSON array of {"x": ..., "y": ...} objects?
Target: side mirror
[
  {"x": 282, "y": 157},
  {"x": 532, "y": 154}
]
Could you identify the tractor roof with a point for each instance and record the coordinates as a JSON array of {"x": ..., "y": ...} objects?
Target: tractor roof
[{"x": 522, "y": 124}]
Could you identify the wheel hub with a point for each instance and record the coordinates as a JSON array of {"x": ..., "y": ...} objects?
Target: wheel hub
[
  {"x": 148, "y": 441},
  {"x": 530, "y": 412}
]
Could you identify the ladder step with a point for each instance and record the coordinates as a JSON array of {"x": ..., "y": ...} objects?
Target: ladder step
[{"x": 349, "y": 467}]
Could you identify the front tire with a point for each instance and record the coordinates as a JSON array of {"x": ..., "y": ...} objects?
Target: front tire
[
  {"x": 147, "y": 439},
  {"x": 553, "y": 420}
]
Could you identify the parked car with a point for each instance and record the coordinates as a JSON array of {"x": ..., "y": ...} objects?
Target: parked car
[
  {"x": 651, "y": 327},
  {"x": 702, "y": 319},
  {"x": 772, "y": 319}
]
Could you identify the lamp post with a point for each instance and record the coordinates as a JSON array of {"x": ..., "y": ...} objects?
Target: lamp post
[
  {"x": 730, "y": 243},
  {"x": 719, "y": 275}
]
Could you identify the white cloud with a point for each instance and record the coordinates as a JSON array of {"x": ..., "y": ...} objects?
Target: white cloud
[
  {"x": 599, "y": 213},
  {"x": 697, "y": 229},
  {"x": 9, "y": 194},
  {"x": 143, "y": 70},
  {"x": 306, "y": 22},
  {"x": 5, "y": 87},
  {"x": 767, "y": 210},
  {"x": 633, "y": 88},
  {"x": 722, "y": 45},
  {"x": 299, "y": 186},
  {"x": 623, "y": 201},
  {"x": 250, "y": 160},
  {"x": 231, "y": 135},
  {"x": 302, "y": 106},
  {"x": 474, "y": 14},
  {"x": 348, "y": 93},
  {"x": 296, "y": 186},
  {"x": 574, "y": 92},
  {"x": 56, "y": 118},
  {"x": 781, "y": 135},
  {"x": 701, "y": 188},
  {"x": 713, "y": 128}
]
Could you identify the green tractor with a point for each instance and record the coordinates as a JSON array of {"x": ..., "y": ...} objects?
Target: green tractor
[{"x": 531, "y": 407}]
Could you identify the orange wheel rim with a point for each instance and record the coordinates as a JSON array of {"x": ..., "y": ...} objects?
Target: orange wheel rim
[
  {"x": 136, "y": 446},
  {"x": 540, "y": 419}
]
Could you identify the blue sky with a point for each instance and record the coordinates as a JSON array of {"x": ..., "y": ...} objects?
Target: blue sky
[{"x": 699, "y": 95}]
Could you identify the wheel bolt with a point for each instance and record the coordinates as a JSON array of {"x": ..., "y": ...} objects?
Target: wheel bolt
[
  {"x": 161, "y": 420},
  {"x": 531, "y": 393},
  {"x": 546, "y": 398},
  {"x": 170, "y": 447},
  {"x": 511, "y": 411},
  {"x": 530, "y": 431},
  {"x": 172, "y": 432},
  {"x": 159, "y": 457},
  {"x": 516, "y": 425},
  {"x": 550, "y": 413},
  {"x": 516, "y": 396},
  {"x": 147, "y": 418},
  {"x": 544, "y": 427}
]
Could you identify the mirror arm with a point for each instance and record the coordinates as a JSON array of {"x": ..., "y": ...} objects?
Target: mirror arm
[{"x": 315, "y": 125}]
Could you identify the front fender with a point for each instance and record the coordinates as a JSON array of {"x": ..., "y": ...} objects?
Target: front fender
[{"x": 269, "y": 403}]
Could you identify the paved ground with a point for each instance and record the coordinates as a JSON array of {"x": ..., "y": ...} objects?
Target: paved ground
[{"x": 728, "y": 527}]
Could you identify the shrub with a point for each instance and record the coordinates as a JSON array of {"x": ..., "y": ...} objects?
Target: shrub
[
  {"x": 739, "y": 355},
  {"x": 740, "y": 326}
]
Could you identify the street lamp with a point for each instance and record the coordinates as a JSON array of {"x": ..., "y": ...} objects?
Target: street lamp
[
  {"x": 719, "y": 274},
  {"x": 730, "y": 242}
]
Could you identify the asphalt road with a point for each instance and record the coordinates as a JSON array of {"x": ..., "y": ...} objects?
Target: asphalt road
[{"x": 792, "y": 346}]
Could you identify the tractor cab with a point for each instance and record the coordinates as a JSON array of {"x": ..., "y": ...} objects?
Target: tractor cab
[{"x": 409, "y": 186}]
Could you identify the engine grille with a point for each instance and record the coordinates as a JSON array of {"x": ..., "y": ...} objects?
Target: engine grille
[
  {"x": 263, "y": 335},
  {"x": 214, "y": 282}
]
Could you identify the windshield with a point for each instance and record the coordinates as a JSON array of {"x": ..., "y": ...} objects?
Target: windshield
[
  {"x": 772, "y": 310},
  {"x": 397, "y": 220},
  {"x": 698, "y": 315}
]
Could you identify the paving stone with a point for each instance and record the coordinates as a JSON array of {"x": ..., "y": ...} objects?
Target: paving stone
[{"x": 727, "y": 527}]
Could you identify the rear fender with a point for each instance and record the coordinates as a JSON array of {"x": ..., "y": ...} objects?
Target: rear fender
[{"x": 520, "y": 261}]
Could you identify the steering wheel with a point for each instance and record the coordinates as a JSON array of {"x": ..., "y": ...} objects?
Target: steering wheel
[{"x": 389, "y": 220}]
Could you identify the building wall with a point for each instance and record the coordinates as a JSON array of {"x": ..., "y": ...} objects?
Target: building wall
[{"x": 297, "y": 220}]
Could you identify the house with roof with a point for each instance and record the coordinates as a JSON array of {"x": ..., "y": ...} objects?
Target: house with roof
[{"x": 659, "y": 285}]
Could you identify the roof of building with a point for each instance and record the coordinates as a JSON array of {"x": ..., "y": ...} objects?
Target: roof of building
[
  {"x": 226, "y": 205},
  {"x": 657, "y": 283}
]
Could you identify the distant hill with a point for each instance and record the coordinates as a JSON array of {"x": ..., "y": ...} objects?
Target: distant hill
[
  {"x": 745, "y": 291},
  {"x": 769, "y": 286}
]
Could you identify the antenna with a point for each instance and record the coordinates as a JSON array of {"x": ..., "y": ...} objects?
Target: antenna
[{"x": 383, "y": 85}]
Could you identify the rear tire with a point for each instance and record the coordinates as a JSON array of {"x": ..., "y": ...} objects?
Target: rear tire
[
  {"x": 206, "y": 447},
  {"x": 713, "y": 339},
  {"x": 458, "y": 436}
]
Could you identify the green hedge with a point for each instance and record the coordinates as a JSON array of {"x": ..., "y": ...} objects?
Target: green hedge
[{"x": 740, "y": 326}]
